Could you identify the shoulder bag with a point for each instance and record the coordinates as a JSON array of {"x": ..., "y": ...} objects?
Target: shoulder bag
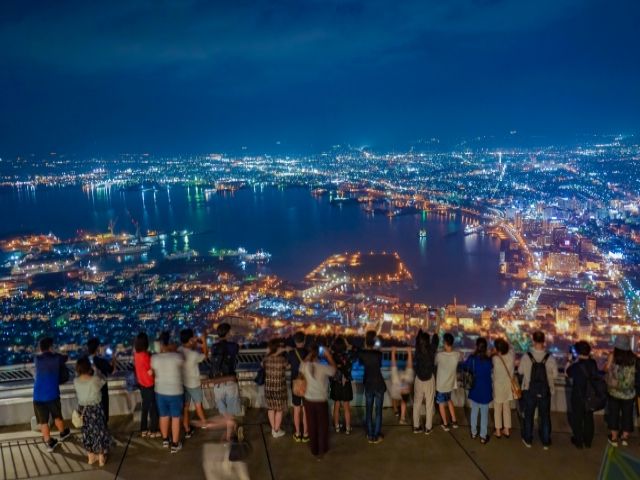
[
  {"x": 515, "y": 386},
  {"x": 299, "y": 384}
]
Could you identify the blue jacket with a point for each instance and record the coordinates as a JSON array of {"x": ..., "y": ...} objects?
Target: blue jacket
[{"x": 482, "y": 390}]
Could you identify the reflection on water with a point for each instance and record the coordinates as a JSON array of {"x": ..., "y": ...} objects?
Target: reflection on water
[{"x": 299, "y": 230}]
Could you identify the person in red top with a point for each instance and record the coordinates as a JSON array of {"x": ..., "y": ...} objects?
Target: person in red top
[{"x": 144, "y": 376}]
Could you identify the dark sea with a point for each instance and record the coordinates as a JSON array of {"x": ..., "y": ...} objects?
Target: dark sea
[{"x": 298, "y": 229}]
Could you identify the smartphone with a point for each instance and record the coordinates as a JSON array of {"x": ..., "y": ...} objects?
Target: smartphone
[
  {"x": 574, "y": 354},
  {"x": 109, "y": 352},
  {"x": 377, "y": 343},
  {"x": 321, "y": 350}
]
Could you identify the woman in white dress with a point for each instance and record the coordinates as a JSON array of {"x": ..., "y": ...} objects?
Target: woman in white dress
[{"x": 503, "y": 368}]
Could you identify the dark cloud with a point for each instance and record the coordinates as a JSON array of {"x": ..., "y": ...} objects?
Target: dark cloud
[{"x": 113, "y": 75}]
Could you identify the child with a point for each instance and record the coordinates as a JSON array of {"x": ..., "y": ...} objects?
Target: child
[
  {"x": 446, "y": 369},
  {"x": 401, "y": 383}
]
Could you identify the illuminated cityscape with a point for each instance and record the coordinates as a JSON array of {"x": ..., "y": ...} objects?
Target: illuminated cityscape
[{"x": 566, "y": 222}]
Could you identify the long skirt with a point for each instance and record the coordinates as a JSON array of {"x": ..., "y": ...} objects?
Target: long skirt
[{"x": 95, "y": 435}]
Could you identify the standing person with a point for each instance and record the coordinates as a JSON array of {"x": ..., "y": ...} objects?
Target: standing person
[
  {"x": 401, "y": 382},
  {"x": 106, "y": 368},
  {"x": 275, "y": 385},
  {"x": 224, "y": 358},
  {"x": 95, "y": 435},
  {"x": 424, "y": 385},
  {"x": 46, "y": 392},
  {"x": 446, "y": 370},
  {"x": 340, "y": 384},
  {"x": 144, "y": 377},
  {"x": 193, "y": 356},
  {"x": 315, "y": 398},
  {"x": 621, "y": 370},
  {"x": 580, "y": 372},
  {"x": 503, "y": 370},
  {"x": 374, "y": 386},
  {"x": 295, "y": 358},
  {"x": 167, "y": 369},
  {"x": 539, "y": 370},
  {"x": 480, "y": 365}
]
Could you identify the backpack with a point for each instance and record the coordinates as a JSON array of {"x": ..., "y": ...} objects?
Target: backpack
[
  {"x": 595, "y": 397},
  {"x": 539, "y": 384},
  {"x": 221, "y": 362}
]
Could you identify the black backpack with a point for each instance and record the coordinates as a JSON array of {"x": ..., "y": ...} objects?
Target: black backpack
[
  {"x": 595, "y": 397},
  {"x": 221, "y": 361},
  {"x": 539, "y": 384}
]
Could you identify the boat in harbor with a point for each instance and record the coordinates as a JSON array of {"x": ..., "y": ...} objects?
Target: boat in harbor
[
  {"x": 185, "y": 255},
  {"x": 422, "y": 233},
  {"x": 472, "y": 229},
  {"x": 127, "y": 249}
]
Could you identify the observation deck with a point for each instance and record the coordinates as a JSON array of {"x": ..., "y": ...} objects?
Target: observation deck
[{"x": 402, "y": 454}]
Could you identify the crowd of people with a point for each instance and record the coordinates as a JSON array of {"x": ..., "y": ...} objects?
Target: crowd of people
[{"x": 171, "y": 380}]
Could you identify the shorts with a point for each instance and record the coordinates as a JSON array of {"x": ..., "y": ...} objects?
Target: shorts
[
  {"x": 405, "y": 397},
  {"x": 227, "y": 398},
  {"x": 169, "y": 405},
  {"x": 193, "y": 394},
  {"x": 44, "y": 410},
  {"x": 443, "y": 397},
  {"x": 296, "y": 400}
]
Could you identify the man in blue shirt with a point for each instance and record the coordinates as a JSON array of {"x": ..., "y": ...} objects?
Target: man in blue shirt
[{"x": 46, "y": 392}]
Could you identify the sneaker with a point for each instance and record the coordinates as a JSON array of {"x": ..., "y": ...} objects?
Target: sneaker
[
  {"x": 484, "y": 440},
  {"x": 277, "y": 433},
  {"x": 454, "y": 424},
  {"x": 612, "y": 442},
  {"x": 338, "y": 428},
  {"x": 155, "y": 435},
  {"x": 347, "y": 431},
  {"x": 145, "y": 434},
  {"x": 624, "y": 442},
  {"x": 445, "y": 427},
  {"x": 526, "y": 444},
  {"x": 371, "y": 440},
  {"x": 165, "y": 443},
  {"x": 176, "y": 447},
  {"x": 379, "y": 439},
  {"x": 403, "y": 422},
  {"x": 546, "y": 447},
  {"x": 66, "y": 433},
  {"x": 51, "y": 445},
  {"x": 417, "y": 429},
  {"x": 297, "y": 438},
  {"x": 189, "y": 433},
  {"x": 474, "y": 436},
  {"x": 305, "y": 439},
  {"x": 427, "y": 431}
]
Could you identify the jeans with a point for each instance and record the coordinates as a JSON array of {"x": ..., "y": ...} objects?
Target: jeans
[
  {"x": 149, "y": 410},
  {"x": 374, "y": 426},
  {"x": 423, "y": 392},
  {"x": 227, "y": 398},
  {"x": 530, "y": 403},
  {"x": 318, "y": 422},
  {"x": 581, "y": 422},
  {"x": 483, "y": 410}
]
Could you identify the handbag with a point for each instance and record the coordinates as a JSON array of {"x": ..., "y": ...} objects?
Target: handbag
[
  {"x": 469, "y": 377},
  {"x": 261, "y": 376},
  {"x": 299, "y": 384},
  {"x": 516, "y": 391},
  {"x": 77, "y": 418}
]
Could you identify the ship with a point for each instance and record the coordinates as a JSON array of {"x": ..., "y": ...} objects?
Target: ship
[
  {"x": 259, "y": 257},
  {"x": 471, "y": 229},
  {"x": 127, "y": 249},
  {"x": 422, "y": 233},
  {"x": 186, "y": 255}
]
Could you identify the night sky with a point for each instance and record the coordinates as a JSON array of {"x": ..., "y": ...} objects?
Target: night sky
[{"x": 167, "y": 77}]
